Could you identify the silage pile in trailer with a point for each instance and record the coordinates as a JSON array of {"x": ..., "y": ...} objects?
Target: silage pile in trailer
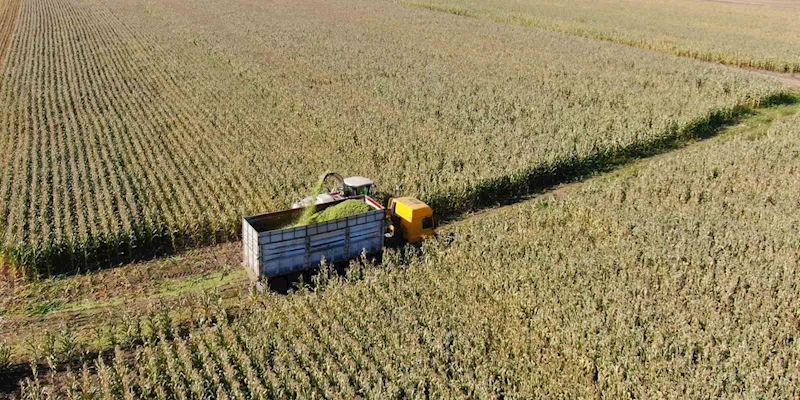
[
  {"x": 344, "y": 209},
  {"x": 310, "y": 210}
]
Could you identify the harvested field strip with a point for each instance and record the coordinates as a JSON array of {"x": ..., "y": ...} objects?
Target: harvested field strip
[
  {"x": 139, "y": 127},
  {"x": 740, "y": 35}
]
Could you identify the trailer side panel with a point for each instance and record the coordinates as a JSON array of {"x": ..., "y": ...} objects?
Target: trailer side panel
[{"x": 282, "y": 251}]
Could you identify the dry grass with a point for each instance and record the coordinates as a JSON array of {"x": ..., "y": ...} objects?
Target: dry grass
[
  {"x": 136, "y": 127},
  {"x": 758, "y": 34}
]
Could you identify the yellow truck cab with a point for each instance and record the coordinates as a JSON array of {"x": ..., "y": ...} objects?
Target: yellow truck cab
[{"x": 413, "y": 218}]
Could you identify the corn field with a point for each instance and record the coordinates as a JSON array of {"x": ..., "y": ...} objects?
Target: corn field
[
  {"x": 674, "y": 279},
  {"x": 8, "y": 12},
  {"x": 759, "y": 34},
  {"x": 134, "y": 127}
]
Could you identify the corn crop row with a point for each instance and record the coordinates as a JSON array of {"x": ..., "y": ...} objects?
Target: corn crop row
[{"x": 8, "y": 16}]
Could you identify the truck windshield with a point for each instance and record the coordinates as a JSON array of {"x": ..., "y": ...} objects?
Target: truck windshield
[
  {"x": 361, "y": 191},
  {"x": 427, "y": 222}
]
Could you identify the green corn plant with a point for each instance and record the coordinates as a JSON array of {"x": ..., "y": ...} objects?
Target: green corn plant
[
  {"x": 5, "y": 355},
  {"x": 323, "y": 276},
  {"x": 72, "y": 385},
  {"x": 68, "y": 345}
]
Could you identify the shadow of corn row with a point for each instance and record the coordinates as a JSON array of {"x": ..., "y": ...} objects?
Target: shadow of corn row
[{"x": 512, "y": 188}]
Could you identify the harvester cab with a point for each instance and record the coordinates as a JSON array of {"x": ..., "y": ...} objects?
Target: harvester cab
[
  {"x": 358, "y": 186},
  {"x": 342, "y": 188}
]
